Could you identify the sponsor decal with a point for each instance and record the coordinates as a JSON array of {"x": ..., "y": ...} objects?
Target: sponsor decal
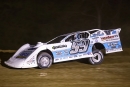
[
  {"x": 31, "y": 61},
  {"x": 70, "y": 56},
  {"x": 114, "y": 32},
  {"x": 113, "y": 49},
  {"x": 66, "y": 52},
  {"x": 112, "y": 44},
  {"x": 95, "y": 38},
  {"x": 109, "y": 38},
  {"x": 65, "y": 57},
  {"x": 60, "y": 46},
  {"x": 75, "y": 56},
  {"x": 80, "y": 55},
  {"x": 57, "y": 59},
  {"x": 58, "y": 53},
  {"x": 99, "y": 33},
  {"x": 89, "y": 53},
  {"x": 85, "y": 54}
]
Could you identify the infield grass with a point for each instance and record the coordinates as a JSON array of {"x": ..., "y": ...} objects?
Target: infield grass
[{"x": 113, "y": 72}]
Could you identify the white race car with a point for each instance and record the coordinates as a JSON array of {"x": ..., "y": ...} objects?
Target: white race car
[{"x": 72, "y": 46}]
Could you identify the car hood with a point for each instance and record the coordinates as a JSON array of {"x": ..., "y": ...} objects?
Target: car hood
[{"x": 39, "y": 44}]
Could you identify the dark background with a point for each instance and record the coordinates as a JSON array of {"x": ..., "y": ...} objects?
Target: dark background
[{"x": 31, "y": 21}]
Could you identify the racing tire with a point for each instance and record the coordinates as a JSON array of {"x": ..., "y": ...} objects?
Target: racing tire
[
  {"x": 44, "y": 60},
  {"x": 97, "y": 59}
]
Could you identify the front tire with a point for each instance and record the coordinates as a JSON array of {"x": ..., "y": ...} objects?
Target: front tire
[
  {"x": 97, "y": 59},
  {"x": 44, "y": 60}
]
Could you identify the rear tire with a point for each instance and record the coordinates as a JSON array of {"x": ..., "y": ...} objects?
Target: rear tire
[
  {"x": 44, "y": 60},
  {"x": 97, "y": 59}
]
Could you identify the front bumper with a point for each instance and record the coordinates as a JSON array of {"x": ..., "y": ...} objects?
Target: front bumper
[{"x": 15, "y": 63}]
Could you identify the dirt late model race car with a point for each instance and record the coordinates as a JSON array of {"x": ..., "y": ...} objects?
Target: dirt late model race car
[{"x": 72, "y": 46}]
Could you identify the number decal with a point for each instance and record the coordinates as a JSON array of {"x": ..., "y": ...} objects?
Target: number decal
[
  {"x": 84, "y": 46},
  {"x": 74, "y": 48},
  {"x": 79, "y": 46}
]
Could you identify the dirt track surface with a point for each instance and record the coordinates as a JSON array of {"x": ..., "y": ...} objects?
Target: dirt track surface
[{"x": 113, "y": 72}]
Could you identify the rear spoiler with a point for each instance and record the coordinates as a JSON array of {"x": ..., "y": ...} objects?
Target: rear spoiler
[
  {"x": 118, "y": 30},
  {"x": 112, "y": 31}
]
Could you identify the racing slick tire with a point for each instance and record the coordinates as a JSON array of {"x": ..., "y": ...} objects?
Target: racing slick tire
[
  {"x": 44, "y": 60},
  {"x": 97, "y": 59}
]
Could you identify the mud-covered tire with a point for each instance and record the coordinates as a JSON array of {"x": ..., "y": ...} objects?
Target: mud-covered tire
[
  {"x": 44, "y": 60},
  {"x": 97, "y": 59}
]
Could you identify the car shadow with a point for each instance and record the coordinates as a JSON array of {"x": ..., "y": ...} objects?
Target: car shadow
[{"x": 84, "y": 60}]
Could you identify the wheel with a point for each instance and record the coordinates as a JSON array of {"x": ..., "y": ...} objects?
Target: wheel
[
  {"x": 44, "y": 60},
  {"x": 97, "y": 59}
]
